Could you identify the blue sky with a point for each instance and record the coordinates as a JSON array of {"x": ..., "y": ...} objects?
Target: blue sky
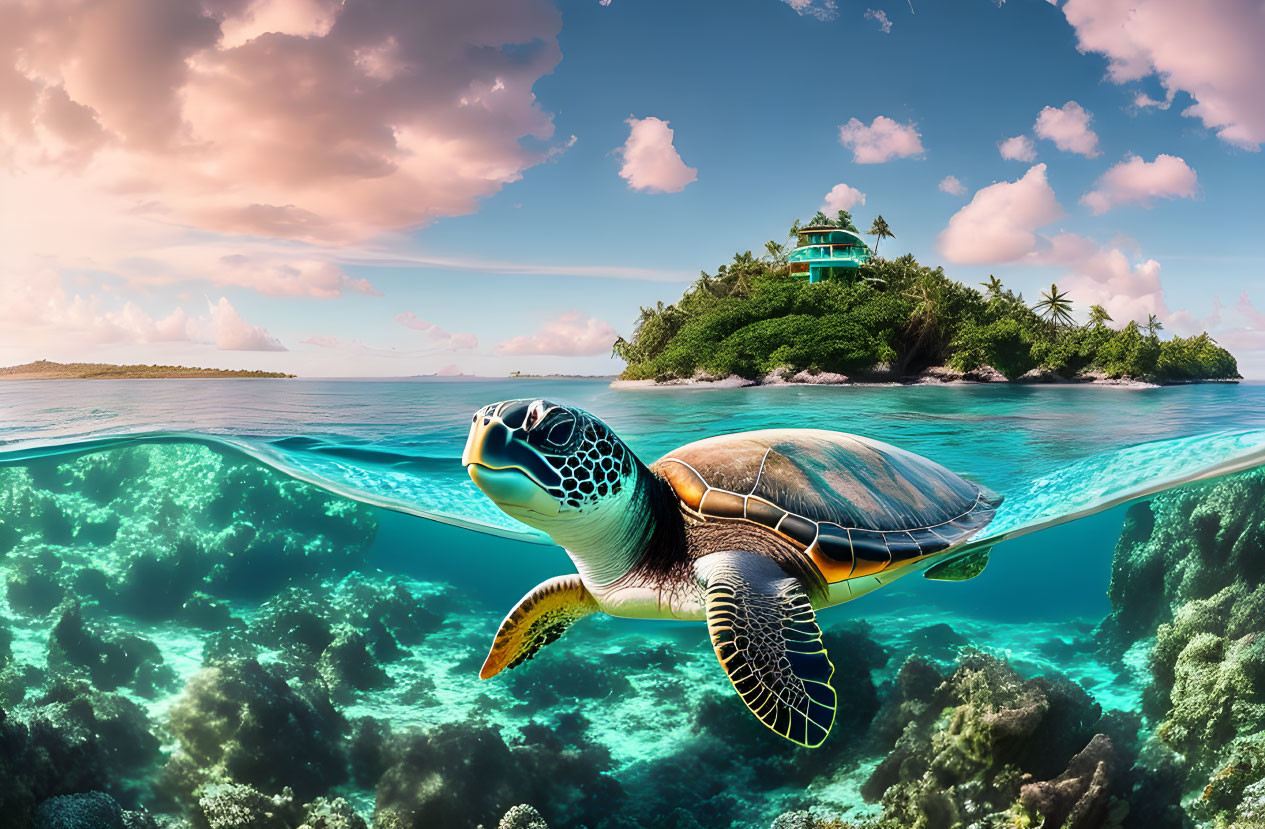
[{"x": 555, "y": 249}]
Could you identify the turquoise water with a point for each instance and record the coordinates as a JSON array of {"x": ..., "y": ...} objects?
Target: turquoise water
[{"x": 203, "y": 565}]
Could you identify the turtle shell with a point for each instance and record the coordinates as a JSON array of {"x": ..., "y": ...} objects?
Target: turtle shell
[{"x": 856, "y": 506}]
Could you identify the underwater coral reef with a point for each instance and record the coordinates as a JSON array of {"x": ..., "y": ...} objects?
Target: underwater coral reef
[{"x": 190, "y": 640}]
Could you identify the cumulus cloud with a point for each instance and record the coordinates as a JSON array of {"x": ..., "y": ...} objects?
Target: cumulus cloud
[
  {"x": 321, "y": 341},
  {"x": 883, "y": 140},
  {"x": 443, "y": 339},
  {"x": 37, "y": 311},
  {"x": 951, "y": 185},
  {"x": 842, "y": 197},
  {"x": 880, "y": 17},
  {"x": 1019, "y": 148},
  {"x": 1212, "y": 52},
  {"x": 1068, "y": 127},
  {"x": 570, "y": 335},
  {"x": 820, "y": 9},
  {"x": 651, "y": 162},
  {"x": 232, "y": 333},
  {"x": 309, "y": 119},
  {"x": 999, "y": 224},
  {"x": 1137, "y": 181},
  {"x": 1102, "y": 275}
]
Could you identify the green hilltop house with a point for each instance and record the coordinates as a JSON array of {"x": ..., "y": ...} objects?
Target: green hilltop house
[{"x": 827, "y": 251}]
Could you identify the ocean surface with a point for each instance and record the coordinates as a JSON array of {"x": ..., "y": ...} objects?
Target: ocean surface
[{"x": 283, "y": 590}]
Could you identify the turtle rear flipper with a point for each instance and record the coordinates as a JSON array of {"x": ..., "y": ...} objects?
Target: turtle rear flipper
[
  {"x": 960, "y": 568},
  {"x": 766, "y": 637},
  {"x": 539, "y": 618}
]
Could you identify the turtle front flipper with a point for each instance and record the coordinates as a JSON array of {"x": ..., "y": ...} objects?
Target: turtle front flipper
[
  {"x": 539, "y": 618},
  {"x": 765, "y": 634}
]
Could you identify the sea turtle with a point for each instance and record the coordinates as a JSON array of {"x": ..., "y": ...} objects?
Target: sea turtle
[{"x": 749, "y": 532}]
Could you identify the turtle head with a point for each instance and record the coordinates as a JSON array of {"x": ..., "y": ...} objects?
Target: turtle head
[{"x": 551, "y": 466}]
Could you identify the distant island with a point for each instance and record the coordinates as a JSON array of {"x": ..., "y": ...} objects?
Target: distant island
[
  {"x": 830, "y": 310},
  {"x": 518, "y": 375},
  {"x": 46, "y": 370}
]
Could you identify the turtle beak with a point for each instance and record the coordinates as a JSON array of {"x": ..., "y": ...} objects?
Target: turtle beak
[{"x": 507, "y": 469}]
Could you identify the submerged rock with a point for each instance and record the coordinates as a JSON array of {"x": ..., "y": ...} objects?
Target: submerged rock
[
  {"x": 969, "y": 746},
  {"x": 239, "y": 722},
  {"x": 91, "y": 810},
  {"x": 522, "y": 816},
  {"x": 109, "y": 657},
  {"x": 462, "y": 775}
]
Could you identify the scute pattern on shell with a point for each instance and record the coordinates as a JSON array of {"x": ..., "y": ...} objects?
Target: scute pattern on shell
[{"x": 857, "y": 506}]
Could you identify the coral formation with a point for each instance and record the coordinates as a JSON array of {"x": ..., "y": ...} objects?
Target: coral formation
[
  {"x": 239, "y": 722},
  {"x": 1189, "y": 569}
]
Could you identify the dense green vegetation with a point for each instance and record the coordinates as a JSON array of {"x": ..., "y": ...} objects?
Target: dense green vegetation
[
  {"x": 46, "y": 370},
  {"x": 896, "y": 318}
]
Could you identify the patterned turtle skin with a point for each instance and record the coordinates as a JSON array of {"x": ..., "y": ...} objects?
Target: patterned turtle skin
[{"x": 855, "y": 506}]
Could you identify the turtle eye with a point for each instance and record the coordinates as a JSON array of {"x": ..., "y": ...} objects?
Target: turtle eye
[
  {"x": 534, "y": 413},
  {"x": 561, "y": 431}
]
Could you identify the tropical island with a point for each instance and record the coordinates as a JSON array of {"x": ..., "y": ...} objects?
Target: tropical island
[
  {"x": 46, "y": 370},
  {"x": 830, "y": 310}
]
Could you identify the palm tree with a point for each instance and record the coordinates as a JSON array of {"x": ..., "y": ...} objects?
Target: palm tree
[
  {"x": 776, "y": 254},
  {"x": 1153, "y": 325},
  {"x": 880, "y": 231},
  {"x": 1054, "y": 307},
  {"x": 1098, "y": 315},
  {"x": 992, "y": 288},
  {"x": 844, "y": 220}
]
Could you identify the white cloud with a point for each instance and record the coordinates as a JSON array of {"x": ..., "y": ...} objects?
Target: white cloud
[
  {"x": 1019, "y": 148},
  {"x": 444, "y": 339},
  {"x": 1137, "y": 181},
  {"x": 842, "y": 197},
  {"x": 820, "y": 9},
  {"x": 1068, "y": 128},
  {"x": 880, "y": 17},
  {"x": 999, "y": 224},
  {"x": 570, "y": 335},
  {"x": 232, "y": 333},
  {"x": 651, "y": 162},
  {"x": 951, "y": 185},
  {"x": 883, "y": 140},
  {"x": 1211, "y": 50}
]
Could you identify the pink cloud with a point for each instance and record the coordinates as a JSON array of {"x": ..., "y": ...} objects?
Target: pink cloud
[
  {"x": 842, "y": 197},
  {"x": 999, "y": 224},
  {"x": 952, "y": 186},
  {"x": 570, "y": 335},
  {"x": 232, "y": 333},
  {"x": 1019, "y": 148},
  {"x": 1104, "y": 276},
  {"x": 651, "y": 162},
  {"x": 455, "y": 342},
  {"x": 190, "y": 125},
  {"x": 1212, "y": 51},
  {"x": 37, "y": 311},
  {"x": 1137, "y": 181},
  {"x": 1068, "y": 128},
  {"x": 452, "y": 369},
  {"x": 321, "y": 341},
  {"x": 883, "y": 140}
]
